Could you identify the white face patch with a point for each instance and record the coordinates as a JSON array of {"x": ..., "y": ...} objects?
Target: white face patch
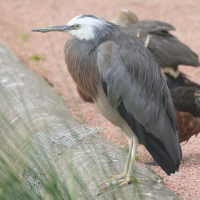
[{"x": 87, "y": 29}]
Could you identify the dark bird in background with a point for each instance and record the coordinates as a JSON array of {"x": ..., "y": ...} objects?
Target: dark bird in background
[
  {"x": 114, "y": 68},
  {"x": 166, "y": 49}
]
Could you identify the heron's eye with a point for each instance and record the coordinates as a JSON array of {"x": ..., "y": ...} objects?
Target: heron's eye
[{"x": 77, "y": 26}]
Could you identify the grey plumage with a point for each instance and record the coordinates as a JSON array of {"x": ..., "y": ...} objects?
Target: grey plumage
[
  {"x": 132, "y": 87},
  {"x": 119, "y": 73}
]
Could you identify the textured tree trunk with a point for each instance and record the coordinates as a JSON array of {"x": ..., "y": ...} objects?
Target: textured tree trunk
[{"x": 36, "y": 124}]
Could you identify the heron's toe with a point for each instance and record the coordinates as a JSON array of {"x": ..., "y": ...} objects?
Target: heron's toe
[
  {"x": 118, "y": 180},
  {"x": 102, "y": 183},
  {"x": 113, "y": 178},
  {"x": 128, "y": 179},
  {"x": 118, "y": 176}
]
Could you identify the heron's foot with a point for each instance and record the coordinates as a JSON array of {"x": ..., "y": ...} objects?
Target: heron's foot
[
  {"x": 118, "y": 176},
  {"x": 113, "y": 178},
  {"x": 120, "y": 179},
  {"x": 129, "y": 179}
]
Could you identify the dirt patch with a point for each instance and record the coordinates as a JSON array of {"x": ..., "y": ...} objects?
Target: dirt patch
[{"x": 43, "y": 53}]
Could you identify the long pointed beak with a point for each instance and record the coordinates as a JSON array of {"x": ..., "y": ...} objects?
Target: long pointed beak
[{"x": 63, "y": 28}]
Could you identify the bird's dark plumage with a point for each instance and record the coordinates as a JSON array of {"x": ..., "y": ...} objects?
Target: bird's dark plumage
[
  {"x": 186, "y": 102},
  {"x": 180, "y": 80},
  {"x": 166, "y": 49}
]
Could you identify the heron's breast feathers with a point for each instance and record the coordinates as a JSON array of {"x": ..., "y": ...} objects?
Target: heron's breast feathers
[{"x": 82, "y": 67}]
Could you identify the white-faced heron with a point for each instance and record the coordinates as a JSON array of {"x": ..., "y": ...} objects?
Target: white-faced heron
[
  {"x": 166, "y": 49},
  {"x": 114, "y": 68}
]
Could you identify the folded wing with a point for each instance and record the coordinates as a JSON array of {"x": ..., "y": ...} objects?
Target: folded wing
[{"x": 135, "y": 86}]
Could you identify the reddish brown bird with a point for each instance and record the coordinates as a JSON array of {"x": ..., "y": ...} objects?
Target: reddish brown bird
[{"x": 187, "y": 107}]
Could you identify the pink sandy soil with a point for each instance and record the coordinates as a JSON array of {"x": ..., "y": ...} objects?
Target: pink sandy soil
[{"x": 17, "y": 17}]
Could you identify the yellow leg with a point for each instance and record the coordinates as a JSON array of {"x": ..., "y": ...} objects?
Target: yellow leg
[
  {"x": 128, "y": 174},
  {"x": 126, "y": 167},
  {"x": 132, "y": 158},
  {"x": 131, "y": 176}
]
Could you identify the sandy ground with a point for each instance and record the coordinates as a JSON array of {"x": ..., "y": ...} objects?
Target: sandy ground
[{"x": 43, "y": 54}]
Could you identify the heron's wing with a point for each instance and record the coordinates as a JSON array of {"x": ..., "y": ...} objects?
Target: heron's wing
[
  {"x": 135, "y": 86},
  {"x": 167, "y": 50}
]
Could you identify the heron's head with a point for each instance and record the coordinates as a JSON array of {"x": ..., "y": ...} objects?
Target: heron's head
[
  {"x": 83, "y": 26},
  {"x": 124, "y": 18}
]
